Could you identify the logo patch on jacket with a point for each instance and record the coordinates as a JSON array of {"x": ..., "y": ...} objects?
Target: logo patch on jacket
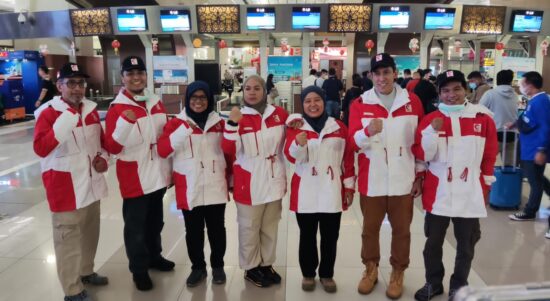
[
  {"x": 276, "y": 118},
  {"x": 477, "y": 127}
]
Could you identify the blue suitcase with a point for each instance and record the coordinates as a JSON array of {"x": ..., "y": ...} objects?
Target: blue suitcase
[{"x": 506, "y": 191}]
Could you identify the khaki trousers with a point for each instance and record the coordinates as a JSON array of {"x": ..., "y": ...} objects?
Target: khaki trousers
[
  {"x": 75, "y": 238},
  {"x": 400, "y": 212},
  {"x": 258, "y": 226}
]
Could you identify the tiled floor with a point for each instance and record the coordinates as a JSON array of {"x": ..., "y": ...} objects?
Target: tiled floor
[{"x": 508, "y": 253}]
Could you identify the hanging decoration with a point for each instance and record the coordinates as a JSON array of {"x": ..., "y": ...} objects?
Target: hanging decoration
[
  {"x": 43, "y": 49},
  {"x": 342, "y": 52},
  {"x": 369, "y": 45},
  {"x": 413, "y": 45},
  {"x": 504, "y": 54},
  {"x": 155, "y": 43},
  {"x": 471, "y": 55},
  {"x": 284, "y": 45},
  {"x": 458, "y": 45},
  {"x": 544, "y": 46},
  {"x": 197, "y": 43},
  {"x": 222, "y": 44},
  {"x": 499, "y": 46},
  {"x": 116, "y": 45},
  {"x": 325, "y": 44}
]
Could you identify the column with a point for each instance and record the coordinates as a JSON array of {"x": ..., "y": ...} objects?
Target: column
[
  {"x": 305, "y": 54},
  {"x": 189, "y": 51},
  {"x": 445, "y": 59},
  {"x": 146, "y": 41},
  {"x": 425, "y": 41},
  {"x": 381, "y": 42}
]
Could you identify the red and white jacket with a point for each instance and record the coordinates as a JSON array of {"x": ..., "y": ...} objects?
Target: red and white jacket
[
  {"x": 67, "y": 142},
  {"x": 199, "y": 165},
  {"x": 387, "y": 165},
  {"x": 324, "y": 167},
  {"x": 140, "y": 170},
  {"x": 460, "y": 158},
  {"x": 259, "y": 174}
]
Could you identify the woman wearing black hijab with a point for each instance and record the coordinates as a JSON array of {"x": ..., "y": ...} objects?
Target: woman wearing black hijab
[
  {"x": 322, "y": 186},
  {"x": 193, "y": 139}
]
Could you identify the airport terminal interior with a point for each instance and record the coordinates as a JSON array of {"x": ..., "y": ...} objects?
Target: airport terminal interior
[{"x": 222, "y": 43}]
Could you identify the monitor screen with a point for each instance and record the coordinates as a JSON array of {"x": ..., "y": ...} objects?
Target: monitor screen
[
  {"x": 260, "y": 18},
  {"x": 131, "y": 19},
  {"x": 175, "y": 20},
  {"x": 526, "y": 21},
  {"x": 439, "y": 18},
  {"x": 394, "y": 17},
  {"x": 306, "y": 17}
]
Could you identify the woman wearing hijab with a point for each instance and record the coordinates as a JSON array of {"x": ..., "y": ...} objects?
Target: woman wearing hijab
[
  {"x": 193, "y": 139},
  {"x": 254, "y": 136},
  {"x": 322, "y": 185}
]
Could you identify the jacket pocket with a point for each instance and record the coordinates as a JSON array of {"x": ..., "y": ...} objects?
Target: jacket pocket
[{"x": 250, "y": 144}]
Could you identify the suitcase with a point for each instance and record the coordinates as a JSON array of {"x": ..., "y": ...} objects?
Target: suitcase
[
  {"x": 506, "y": 191},
  {"x": 522, "y": 292}
]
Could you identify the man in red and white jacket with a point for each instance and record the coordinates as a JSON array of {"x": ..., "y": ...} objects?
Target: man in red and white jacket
[
  {"x": 134, "y": 122},
  {"x": 459, "y": 143},
  {"x": 382, "y": 125},
  {"x": 69, "y": 140}
]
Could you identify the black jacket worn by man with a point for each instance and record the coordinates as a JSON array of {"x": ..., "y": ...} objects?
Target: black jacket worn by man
[{"x": 332, "y": 87}]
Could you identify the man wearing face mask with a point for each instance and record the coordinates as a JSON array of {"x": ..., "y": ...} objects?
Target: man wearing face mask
[
  {"x": 477, "y": 84},
  {"x": 459, "y": 143},
  {"x": 134, "y": 122},
  {"x": 534, "y": 135}
]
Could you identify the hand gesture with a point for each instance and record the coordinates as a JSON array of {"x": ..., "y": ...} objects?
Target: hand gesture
[
  {"x": 235, "y": 115},
  {"x": 375, "y": 126},
  {"x": 301, "y": 138},
  {"x": 37, "y": 104},
  {"x": 100, "y": 164},
  {"x": 416, "y": 190},
  {"x": 296, "y": 124},
  {"x": 540, "y": 158},
  {"x": 437, "y": 124},
  {"x": 349, "y": 197},
  {"x": 130, "y": 115}
]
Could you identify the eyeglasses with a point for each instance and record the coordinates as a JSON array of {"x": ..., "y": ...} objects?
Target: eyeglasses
[
  {"x": 199, "y": 98},
  {"x": 71, "y": 84}
]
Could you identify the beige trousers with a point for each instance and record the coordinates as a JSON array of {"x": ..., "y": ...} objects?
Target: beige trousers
[
  {"x": 258, "y": 226},
  {"x": 75, "y": 237}
]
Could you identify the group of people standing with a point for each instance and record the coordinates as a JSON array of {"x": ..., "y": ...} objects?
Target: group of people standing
[{"x": 402, "y": 154}]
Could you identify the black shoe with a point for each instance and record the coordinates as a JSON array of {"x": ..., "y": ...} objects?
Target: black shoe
[
  {"x": 522, "y": 216},
  {"x": 271, "y": 274},
  {"x": 257, "y": 277},
  {"x": 143, "y": 282},
  {"x": 162, "y": 264},
  {"x": 428, "y": 291},
  {"x": 218, "y": 276},
  {"x": 94, "y": 279},
  {"x": 196, "y": 277}
]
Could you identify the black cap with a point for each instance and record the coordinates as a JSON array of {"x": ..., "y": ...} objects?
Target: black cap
[
  {"x": 72, "y": 70},
  {"x": 450, "y": 76},
  {"x": 382, "y": 60},
  {"x": 133, "y": 63}
]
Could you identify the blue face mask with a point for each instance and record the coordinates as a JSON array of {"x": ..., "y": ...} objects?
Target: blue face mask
[
  {"x": 450, "y": 108},
  {"x": 472, "y": 86}
]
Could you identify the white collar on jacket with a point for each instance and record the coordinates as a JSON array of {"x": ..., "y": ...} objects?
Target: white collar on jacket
[
  {"x": 331, "y": 125},
  {"x": 213, "y": 119},
  {"x": 401, "y": 98},
  {"x": 269, "y": 109},
  {"x": 123, "y": 99},
  {"x": 59, "y": 105}
]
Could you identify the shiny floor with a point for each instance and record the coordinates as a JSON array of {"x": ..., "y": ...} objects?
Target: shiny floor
[{"x": 508, "y": 253}]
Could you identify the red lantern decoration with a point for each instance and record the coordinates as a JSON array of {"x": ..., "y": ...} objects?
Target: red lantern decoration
[
  {"x": 369, "y": 44},
  {"x": 499, "y": 46},
  {"x": 291, "y": 51},
  {"x": 471, "y": 55},
  {"x": 504, "y": 54},
  {"x": 222, "y": 44},
  {"x": 115, "y": 44}
]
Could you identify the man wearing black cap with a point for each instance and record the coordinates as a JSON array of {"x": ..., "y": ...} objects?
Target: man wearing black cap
[
  {"x": 134, "y": 122},
  {"x": 382, "y": 126},
  {"x": 459, "y": 143},
  {"x": 68, "y": 139}
]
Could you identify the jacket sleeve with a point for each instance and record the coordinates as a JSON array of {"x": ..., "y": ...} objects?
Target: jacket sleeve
[
  {"x": 51, "y": 131},
  {"x": 175, "y": 132},
  {"x": 358, "y": 136},
  {"x": 294, "y": 153},
  {"x": 490, "y": 152},
  {"x": 425, "y": 141},
  {"x": 348, "y": 164},
  {"x": 231, "y": 142},
  {"x": 117, "y": 129}
]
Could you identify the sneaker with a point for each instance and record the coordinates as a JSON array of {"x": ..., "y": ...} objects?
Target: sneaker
[
  {"x": 196, "y": 277},
  {"x": 369, "y": 280},
  {"x": 329, "y": 285},
  {"x": 94, "y": 279},
  {"x": 271, "y": 274},
  {"x": 428, "y": 291},
  {"x": 257, "y": 277},
  {"x": 162, "y": 264},
  {"x": 83, "y": 296},
  {"x": 143, "y": 282},
  {"x": 521, "y": 216},
  {"x": 218, "y": 276},
  {"x": 395, "y": 288},
  {"x": 452, "y": 293},
  {"x": 308, "y": 284}
]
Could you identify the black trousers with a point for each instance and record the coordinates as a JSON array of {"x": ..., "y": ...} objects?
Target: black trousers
[
  {"x": 214, "y": 218},
  {"x": 329, "y": 225},
  {"x": 143, "y": 222},
  {"x": 539, "y": 184},
  {"x": 467, "y": 233}
]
